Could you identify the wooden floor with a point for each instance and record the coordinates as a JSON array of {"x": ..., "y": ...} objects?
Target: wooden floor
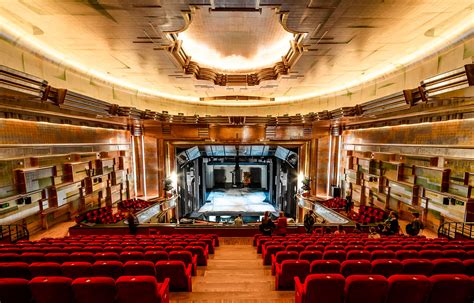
[{"x": 234, "y": 274}]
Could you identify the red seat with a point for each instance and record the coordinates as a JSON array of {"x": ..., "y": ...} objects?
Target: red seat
[
  {"x": 386, "y": 267},
  {"x": 14, "y": 290},
  {"x": 454, "y": 253},
  {"x": 52, "y": 289},
  {"x": 469, "y": 267},
  {"x": 451, "y": 288},
  {"x": 408, "y": 289},
  {"x": 447, "y": 266},
  {"x": 131, "y": 256},
  {"x": 57, "y": 257},
  {"x": 107, "y": 268},
  {"x": 325, "y": 267},
  {"x": 107, "y": 256},
  {"x": 287, "y": 270},
  {"x": 393, "y": 247},
  {"x": 281, "y": 256},
  {"x": 93, "y": 249},
  {"x": 269, "y": 251},
  {"x": 43, "y": 269},
  {"x": 339, "y": 255},
  {"x": 358, "y": 255},
  {"x": 417, "y": 267},
  {"x": 15, "y": 270},
  {"x": 366, "y": 289},
  {"x": 115, "y": 249},
  {"x": 143, "y": 289},
  {"x": 315, "y": 248},
  {"x": 355, "y": 267},
  {"x": 10, "y": 257},
  {"x": 30, "y": 257},
  {"x": 295, "y": 247},
  {"x": 416, "y": 247},
  {"x": 372, "y": 248},
  {"x": 431, "y": 254},
  {"x": 139, "y": 268},
  {"x": 177, "y": 272},
  {"x": 76, "y": 270},
  {"x": 82, "y": 257},
  {"x": 185, "y": 256},
  {"x": 155, "y": 256},
  {"x": 320, "y": 288},
  {"x": 176, "y": 247},
  {"x": 406, "y": 254},
  {"x": 310, "y": 256},
  {"x": 134, "y": 248},
  {"x": 94, "y": 290},
  {"x": 382, "y": 254},
  {"x": 432, "y": 246},
  {"x": 200, "y": 253},
  {"x": 334, "y": 247}
]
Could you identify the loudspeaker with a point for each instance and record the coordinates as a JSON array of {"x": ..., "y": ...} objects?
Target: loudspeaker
[
  {"x": 445, "y": 201},
  {"x": 335, "y": 191}
]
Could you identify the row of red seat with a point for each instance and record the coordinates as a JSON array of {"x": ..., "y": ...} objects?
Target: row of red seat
[
  {"x": 334, "y": 288},
  {"x": 175, "y": 270},
  {"x": 126, "y": 289},
  {"x": 288, "y": 269}
]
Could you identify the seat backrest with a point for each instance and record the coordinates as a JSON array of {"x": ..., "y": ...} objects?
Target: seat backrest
[
  {"x": 108, "y": 255},
  {"x": 408, "y": 289},
  {"x": 417, "y": 267},
  {"x": 139, "y": 268},
  {"x": 39, "y": 269},
  {"x": 132, "y": 289},
  {"x": 14, "y": 270},
  {"x": 325, "y": 267},
  {"x": 450, "y": 288},
  {"x": 57, "y": 257},
  {"x": 358, "y": 255},
  {"x": 75, "y": 270},
  {"x": 131, "y": 256},
  {"x": 295, "y": 247},
  {"x": 107, "y": 268},
  {"x": 324, "y": 288},
  {"x": 382, "y": 254},
  {"x": 82, "y": 257},
  {"x": 14, "y": 290},
  {"x": 52, "y": 289},
  {"x": 295, "y": 268},
  {"x": 308, "y": 255},
  {"x": 406, "y": 254},
  {"x": 183, "y": 255},
  {"x": 386, "y": 267},
  {"x": 431, "y": 254},
  {"x": 447, "y": 266},
  {"x": 469, "y": 267},
  {"x": 94, "y": 290},
  {"x": 339, "y": 255},
  {"x": 366, "y": 289},
  {"x": 355, "y": 267}
]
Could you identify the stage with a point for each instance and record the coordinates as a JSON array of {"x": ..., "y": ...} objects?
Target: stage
[{"x": 234, "y": 201}]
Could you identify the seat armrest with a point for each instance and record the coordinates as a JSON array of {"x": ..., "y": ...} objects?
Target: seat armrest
[
  {"x": 273, "y": 260},
  {"x": 194, "y": 260},
  {"x": 188, "y": 276},
  {"x": 299, "y": 290},
  {"x": 189, "y": 270},
  {"x": 164, "y": 291}
]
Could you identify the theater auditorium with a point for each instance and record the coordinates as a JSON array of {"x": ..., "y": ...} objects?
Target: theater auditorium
[{"x": 216, "y": 151}]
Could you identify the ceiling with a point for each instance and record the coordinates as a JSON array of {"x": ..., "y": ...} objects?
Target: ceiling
[{"x": 345, "y": 42}]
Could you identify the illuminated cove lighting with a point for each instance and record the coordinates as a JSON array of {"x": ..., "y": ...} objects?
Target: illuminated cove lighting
[{"x": 208, "y": 57}]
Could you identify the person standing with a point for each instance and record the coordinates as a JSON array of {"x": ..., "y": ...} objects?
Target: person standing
[
  {"x": 309, "y": 221},
  {"x": 132, "y": 222},
  {"x": 267, "y": 225},
  {"x": 238, "y": 220}
]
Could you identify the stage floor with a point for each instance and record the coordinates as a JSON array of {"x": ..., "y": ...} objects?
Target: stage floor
[{"x": 233, "y": 201}]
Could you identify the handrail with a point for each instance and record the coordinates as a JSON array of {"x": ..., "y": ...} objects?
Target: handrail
[
  {"x": 453, "y": 230},
  {"x": 14, "y": 232}
]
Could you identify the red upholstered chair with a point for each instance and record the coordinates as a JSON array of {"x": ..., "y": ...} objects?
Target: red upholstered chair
[
  {"x": 406, "y": 254},
  {"x": 143, "y": 289},
  {"x": 469, "y": 267},
  {"x": 295, "y": 247},
  {"x": 382, "y": 254},
  {"x": 372, "y": 248},
  {"x": 355, "y": 267},
  {"x": 15, "y": 270},
  {"x": 386, "y": 267},
  {"x": 82, "y": 257},
  {"x": 320, "y": 288},
  {"x": 334, "y": 247},
  {"x": 139, "y": 268},
  {"x": 432, "y": 246},
  {"x": 454, "y": 253},
  {"x": 115, "y": 249},
  {"x": 281, "y": 256},
  {"x": 107, "y": 256},
  {"x": 52, "y": 289},
  {"x": 325, "y": 267},
  {"x": 94, "y": 290},
  {"x": 76, "y": 270},
  {"x": 14, "y": 290},
  {"x": 185, "y": 256},
  {"x": 339, "y": 255},
  {"x": 451, "y": 288},
  {"x": 305, "y": 242},
  {"x": 315, "y": 247},
  {"x": 358, "y": 255},
  {"x": 447, "y": 266},
  {"x": 310, "y": 255},
  {"x": 30, "y": 257},
  {"x": 287, "y": 270},
  {"x": 416, "y": 247},
  {"x": 408, "y": 289},
  {"x": 431, "y": 254},
  {"x": 107, "y": 268},
  {"x": 200, "y": 253},
  {"x": 268, "y": 251},
  {"x": 57, "y": 257},
  {"x": 366, "y": 289},
  {"x": 93, "y": 249},
  {"x": 177, "y": 272},
  {"x": 72, "y": 249},
  {"x": 349, "y": 248},
  {"x": 131, "y": 256},
  {"x": 393, "y": 247},
  {"x": 134, "y": 248},
  {"x": 10, "y": 257},
  {"x": 44, "y": 269},
  {"x": 417, "y": 267}
]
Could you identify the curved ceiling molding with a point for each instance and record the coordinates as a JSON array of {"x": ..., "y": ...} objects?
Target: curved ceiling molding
[{"x": 222, "y": 60}]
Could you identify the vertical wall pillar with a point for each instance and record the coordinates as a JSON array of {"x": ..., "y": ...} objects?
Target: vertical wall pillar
[{"x": 138, "y": 159}]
